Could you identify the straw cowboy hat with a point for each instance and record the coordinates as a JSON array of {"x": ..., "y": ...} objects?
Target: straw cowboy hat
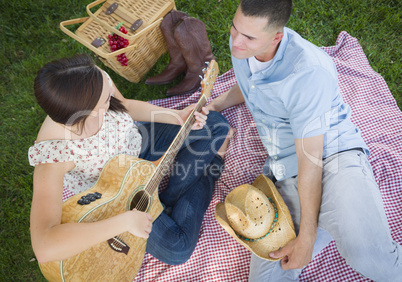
[{"x": 257, "y": 217}]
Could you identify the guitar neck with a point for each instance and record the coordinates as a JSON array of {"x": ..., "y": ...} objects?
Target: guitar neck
[
  {"x": 171, "y": 153},
  {"x": 163, "y": 167}
]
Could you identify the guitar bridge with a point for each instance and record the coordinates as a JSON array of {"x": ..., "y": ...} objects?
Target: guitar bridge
[{"x": 118, "y": 245}]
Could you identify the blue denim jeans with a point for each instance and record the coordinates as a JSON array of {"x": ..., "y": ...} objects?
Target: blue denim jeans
[
  {"x": 351, "y": 213},
  {"x": 188, "y": 193}
]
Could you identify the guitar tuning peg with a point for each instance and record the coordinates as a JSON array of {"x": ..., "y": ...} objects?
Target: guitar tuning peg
[
  {"x": 207, "y": 64},
  {"x": 200, "y": 76},
  {"x": 204, "y": 70}
]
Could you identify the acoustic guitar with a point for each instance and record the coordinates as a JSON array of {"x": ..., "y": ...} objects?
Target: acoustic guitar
[{"x": 125, "y": 183}]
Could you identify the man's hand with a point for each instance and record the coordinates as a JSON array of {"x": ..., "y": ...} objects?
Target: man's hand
[{"x": 296, "y": 254}]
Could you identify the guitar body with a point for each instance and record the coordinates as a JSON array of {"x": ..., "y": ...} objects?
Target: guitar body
[{"x": 121, "y": 184}]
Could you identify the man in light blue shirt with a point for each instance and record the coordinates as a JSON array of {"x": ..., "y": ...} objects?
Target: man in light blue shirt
[
  {"x": 316, "y": 155},
  {"x": 296, "y": 97}
]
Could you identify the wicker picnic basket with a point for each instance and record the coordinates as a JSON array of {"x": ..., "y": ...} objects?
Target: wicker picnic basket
[{"x": 141, "y": 18}]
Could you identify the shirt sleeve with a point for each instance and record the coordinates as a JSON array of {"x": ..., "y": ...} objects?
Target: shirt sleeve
[
  {"x": 51, "y": 151},
  {"x": 307, "y": 97}
]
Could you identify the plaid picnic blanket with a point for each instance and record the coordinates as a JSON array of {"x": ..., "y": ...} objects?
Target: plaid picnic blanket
[{"x": 218, "y": 257}]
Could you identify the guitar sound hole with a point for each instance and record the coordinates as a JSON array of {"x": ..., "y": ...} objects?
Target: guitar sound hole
[{"x": 140, "y": 201}]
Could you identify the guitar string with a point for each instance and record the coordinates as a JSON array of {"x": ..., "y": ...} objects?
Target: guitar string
[
  {"x": 172, "y": 153},
  {"x": 143, "y": 202},
  {"x": 157, "y": 177}
]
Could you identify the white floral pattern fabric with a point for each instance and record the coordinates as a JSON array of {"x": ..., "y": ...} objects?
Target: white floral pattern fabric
[{"x": 118, "y": 135}]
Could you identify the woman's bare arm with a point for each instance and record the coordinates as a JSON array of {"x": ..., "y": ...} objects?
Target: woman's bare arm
[{"x": 52, "y": 240}]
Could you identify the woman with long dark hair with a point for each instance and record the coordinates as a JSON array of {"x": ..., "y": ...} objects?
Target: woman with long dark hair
[{"x": 88, "y": 122}]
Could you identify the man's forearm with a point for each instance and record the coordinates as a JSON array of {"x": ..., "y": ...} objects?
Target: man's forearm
[
  {"x": 310, "y": 192},
  {"x": 309, "y": 154},
  {"x": 228, "y": 99},
  {"x": 298, "y": 252}
]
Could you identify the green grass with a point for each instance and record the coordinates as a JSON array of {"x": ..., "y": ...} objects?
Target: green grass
[{"x": 30, "y": 36}]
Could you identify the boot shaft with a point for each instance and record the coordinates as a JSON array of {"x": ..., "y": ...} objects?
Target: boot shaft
[
  {"x": 176, "y": 65},
  {"x": 171, "y": 21},
  {"x": 192, "y": 38}
]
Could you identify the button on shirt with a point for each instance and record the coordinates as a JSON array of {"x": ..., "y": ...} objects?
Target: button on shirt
[{"x": 297, "y": 96}]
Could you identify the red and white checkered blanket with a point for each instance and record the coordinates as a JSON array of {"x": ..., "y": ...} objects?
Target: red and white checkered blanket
[{"x": 217, "y": 256}]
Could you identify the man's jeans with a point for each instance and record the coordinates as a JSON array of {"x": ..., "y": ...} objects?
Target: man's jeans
[
  {"x": 187, "y": 196},
  {"x": 351, "y": 213}
]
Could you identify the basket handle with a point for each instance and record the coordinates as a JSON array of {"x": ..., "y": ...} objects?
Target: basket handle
[
  {"x": 114, "y": 30},
  {"x": 88, "y": 45}
]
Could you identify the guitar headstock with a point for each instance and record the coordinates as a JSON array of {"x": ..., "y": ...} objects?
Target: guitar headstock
[{"x": 210, "y": 75}]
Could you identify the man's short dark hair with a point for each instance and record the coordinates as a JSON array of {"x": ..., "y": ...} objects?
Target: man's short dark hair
[{"x": 276, "y": 11}]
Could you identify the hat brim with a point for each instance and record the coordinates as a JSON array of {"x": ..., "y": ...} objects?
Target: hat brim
[{"x": 282, "y": 233}]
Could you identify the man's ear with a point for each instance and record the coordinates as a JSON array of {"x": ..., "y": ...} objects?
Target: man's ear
[{"x": 278, "y": 37}]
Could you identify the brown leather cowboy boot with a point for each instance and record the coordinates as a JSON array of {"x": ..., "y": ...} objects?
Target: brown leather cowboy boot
[
  {"x": 192, "y": 39},
  {"x": 176, "y": 65}
]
